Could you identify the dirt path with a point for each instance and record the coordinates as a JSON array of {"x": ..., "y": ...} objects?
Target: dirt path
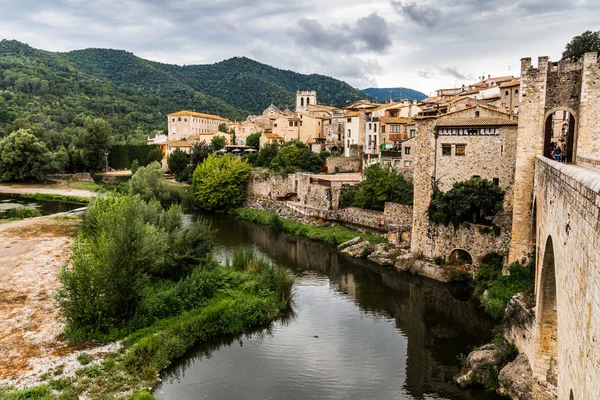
[
  {"x": 32, "y": 253},
  {"x": 22, "y": 188}
]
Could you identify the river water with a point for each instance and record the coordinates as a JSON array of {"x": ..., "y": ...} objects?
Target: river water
[
  {"x": 46, "y": 207},
  {"x": 355, "y": 331}
]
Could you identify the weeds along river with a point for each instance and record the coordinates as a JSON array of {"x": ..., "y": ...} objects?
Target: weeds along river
[{"x": 355, "y": 331}]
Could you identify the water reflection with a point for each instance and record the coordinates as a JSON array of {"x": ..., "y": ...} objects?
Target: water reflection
[
  {"x": 9, "y": 201},
  {"x": 358, "y": 331}
]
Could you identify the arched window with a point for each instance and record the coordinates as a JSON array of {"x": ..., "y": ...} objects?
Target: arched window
[
  {"x": 477, "y": 114},
  {"x": 302, "y": 101},
  {"x": 307, "y": 100},
  {"x": 516, "y": 92},
  {"x": 506, "y": 94}
]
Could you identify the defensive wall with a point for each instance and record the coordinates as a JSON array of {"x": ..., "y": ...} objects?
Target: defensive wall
[{"x": 566, "y": 360}]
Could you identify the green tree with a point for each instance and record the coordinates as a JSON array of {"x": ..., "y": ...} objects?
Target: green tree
[
  {"x": 23, "y": 156},
  {"x": 178, "y": 162},
  {"x": 95, "y": 143},
  {"x": 253, "y": 140},
  {"x": 223, "y": 128},
  {"x": 382, "y": 185},
  {"x": 218, "y": 142},
  {"x": 218, "y": 183},
  {"x": 587, "y": 42},
  {"x": 466, "y": 201},
  {"x": 266, "y": 155},
  {"x": 135, "y": 165},
  {"x": 150, "y": 183}
]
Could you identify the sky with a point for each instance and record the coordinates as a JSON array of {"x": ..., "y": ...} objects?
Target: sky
[{"x": 421, "y": 44}]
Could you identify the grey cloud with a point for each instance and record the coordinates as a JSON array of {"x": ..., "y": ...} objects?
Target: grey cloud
[
  {"x": 422, "y": 14},
  {"x": 426, "y": 74},
  {"x": 371, "y": 33},
  {"x": 452, "y": 71}
]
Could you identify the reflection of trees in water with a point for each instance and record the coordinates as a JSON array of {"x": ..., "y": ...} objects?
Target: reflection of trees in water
[
  {"x": 205, "y": 351},
  {"x": 439, "y": 319}
]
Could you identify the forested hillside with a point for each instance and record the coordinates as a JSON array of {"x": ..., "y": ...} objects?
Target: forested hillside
[{"x": 398, "y": 94}]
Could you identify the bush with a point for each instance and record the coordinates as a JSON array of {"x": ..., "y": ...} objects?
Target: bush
[
  {"x": 348, "y": 195},
  {"x": 382, "y": 185},
  {"x": 296, "y": 156},
  {"x": 178, "y": 162},
  {"x": 149, "y": 183},
  {"x": 122, "y": 156},
  {"x": 123, "y": 245},
  {"x": 135, "y": 165},
  {"x": 253, "y": 140},
  {"x": 218, "y": 142},
  {"x": 465, "y": 202},
  {"x": 218, "y": 183},
  {"x": 266, "y": 155},
  {"x": 23, "y": 156},
  {"x": 501, "y": 288},
  {"x": 23, "y": 212}
]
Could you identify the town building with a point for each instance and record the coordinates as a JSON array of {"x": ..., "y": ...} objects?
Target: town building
[{"x": 183, "y": 124}]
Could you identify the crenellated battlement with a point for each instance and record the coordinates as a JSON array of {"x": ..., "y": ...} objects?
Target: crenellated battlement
[{"x": 544, "y": 65}]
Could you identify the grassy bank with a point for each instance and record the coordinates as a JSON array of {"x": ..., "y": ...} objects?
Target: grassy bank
[
  {"x": 248, "y": 292},
  {"x": 55, "y": 197},
  {"x": 329, "y": 233}
]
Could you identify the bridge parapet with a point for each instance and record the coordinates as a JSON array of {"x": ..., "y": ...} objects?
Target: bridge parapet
[{"x": 567, "y": 344}]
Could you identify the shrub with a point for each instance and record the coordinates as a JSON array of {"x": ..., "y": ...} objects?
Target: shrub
[
  {"x": 178, "y": 162},
  {"x": 253, "y": 140},
  {"x": 347, "y": 196},
  {"x": 84, "y": 358},
  {"x": 149, "y": 182},
  {"x": 135, "y": 165},
  {"x": 382, "y": 185},
  {"x": 465, "y": 202},
  {"x": 23, "y": 156},
  {"x": 218, "y": 142},
  {"x": 438, "y": 260},
  {"x": 501, "y": 288},
  {"x": 23, "y": 212},
  {"x": 218, "y": 183}
]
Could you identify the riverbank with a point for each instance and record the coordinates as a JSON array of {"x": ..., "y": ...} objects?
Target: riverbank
[
  {"x": 59, "y": 190},
  {"x": 38, "y": 362},
  {"x": 330, "y": 233}
]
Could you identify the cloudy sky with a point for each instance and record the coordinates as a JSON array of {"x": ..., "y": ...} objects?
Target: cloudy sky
[{"x": 422, "y": 44}]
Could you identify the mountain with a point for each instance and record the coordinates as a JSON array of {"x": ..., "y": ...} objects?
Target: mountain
[
  {"x": 398, "y": 94},
  {"x": 55, "y": 92}
]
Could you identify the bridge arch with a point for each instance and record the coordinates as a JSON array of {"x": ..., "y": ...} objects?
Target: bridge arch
[
  {"x": 460, "y": 257},
  {"x": 546, "y": 368},
  {"x": 564, "y": 133}
]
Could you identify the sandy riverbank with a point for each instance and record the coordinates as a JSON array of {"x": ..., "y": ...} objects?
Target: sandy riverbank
[
  {"x": 23, "y": 188},
  {"x": 32, "y": 253}
]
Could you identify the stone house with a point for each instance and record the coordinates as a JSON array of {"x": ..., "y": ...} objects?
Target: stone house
[{"x": 183, "y": 124}]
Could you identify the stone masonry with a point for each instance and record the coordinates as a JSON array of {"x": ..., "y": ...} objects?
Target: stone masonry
[{"x": 567, "y": 345}]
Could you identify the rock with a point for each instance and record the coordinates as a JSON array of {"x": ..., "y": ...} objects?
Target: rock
[
  {"x": 481, "y": 362},
  {"x": 360, "y": 249},
  {"x": 381, "y": 255},
  {"x": 519, "y": 310},
  {"x": 516, "y": 379},
  {"x": 350, "y": 242}
]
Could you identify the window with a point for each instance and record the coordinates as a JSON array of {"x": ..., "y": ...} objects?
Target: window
[
  {"x": 370, "y": 126},
  {"x": 405, "y": 128},
  {"x": 348, "y": 143},
  {"x": 185, "y": 120},
  {"x": 407, "y": 163},
  {"x": 291, "y": 123},
  {"x": 412, "y": 132},
  {"x": 349, "y": 132},
  {"x": 477, "y": 114},
  {"x": 307, "y": 100},
  {"x": 446, "y": 150},
  {"x": 516, "y": 92},
  {"x": 506, "y": 94},
  {"x": 349, "y": 119},
  {"x": 375, "y": 128},
  {"x": 496, "y": 181},
  {"x": 179, "y": 119},
  {"x": 275, "y": 125},
  {"x": 382, "y": 128},
  {"x": 302, "y": 101},
  {"x": 319, "y": 123},
  {"x": 460, "y": 150},
  {"x": 394, "y": 128},
  {"x": 173, "y": 119},
  {"x": 407, "y": 150}
]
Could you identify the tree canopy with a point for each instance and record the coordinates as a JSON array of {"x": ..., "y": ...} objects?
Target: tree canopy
[{"x": 587, "y": 42}]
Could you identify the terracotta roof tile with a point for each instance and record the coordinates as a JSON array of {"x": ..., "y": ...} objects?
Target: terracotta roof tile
[
  {"x": 475, "y": 121},
  {"x": 184, "y": 113},
  {"x": 179, "y": 143},
  {"x": 393, "y": 120}
]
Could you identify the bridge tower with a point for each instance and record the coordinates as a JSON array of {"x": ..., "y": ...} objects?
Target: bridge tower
[{"x": 559, "y": 106}]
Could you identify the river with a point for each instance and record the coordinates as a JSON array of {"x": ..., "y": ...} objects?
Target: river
[
  {"x": 355, "y": 331},
  {"x": 46, "y": 207}
]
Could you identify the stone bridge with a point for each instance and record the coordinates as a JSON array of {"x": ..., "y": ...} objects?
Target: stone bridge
[{"x": 566, "y": 231}]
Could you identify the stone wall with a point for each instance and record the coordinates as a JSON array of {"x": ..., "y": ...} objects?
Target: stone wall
[
  {"x": 264, "y": 185},
  {"x": 567, "y": 279},
  {"x": 588, "y": 129},
  {"x": 343, "y": 164},
  {"x": 588, "y": 161}
]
